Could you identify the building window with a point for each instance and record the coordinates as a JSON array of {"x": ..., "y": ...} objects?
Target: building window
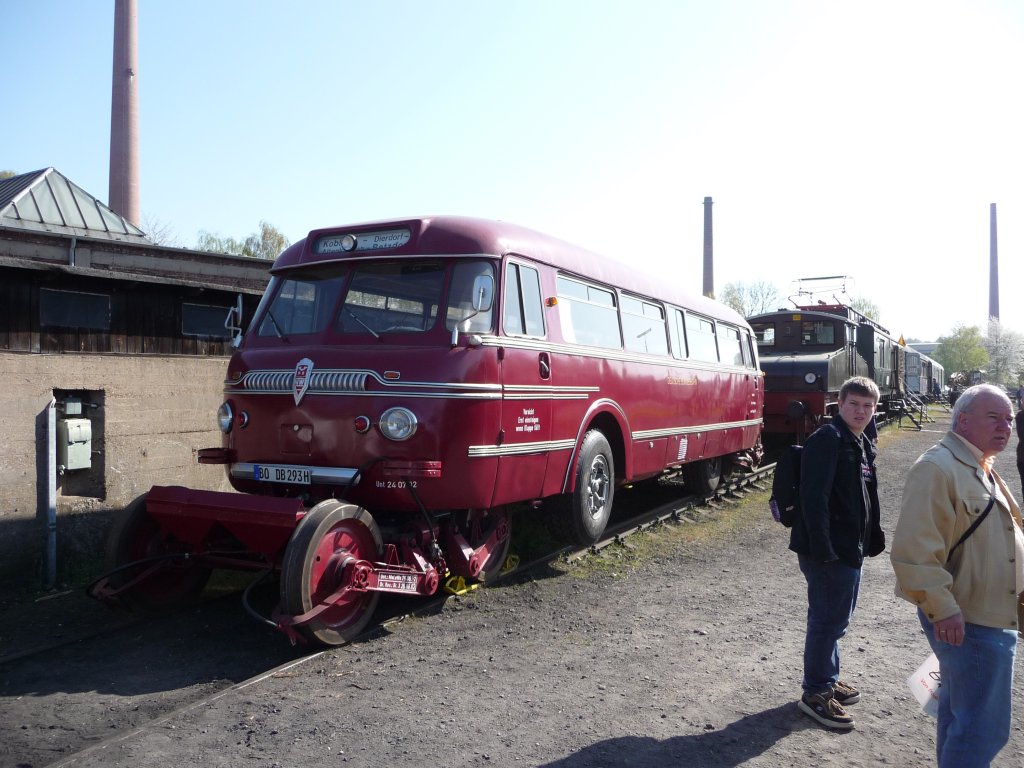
[
  {"x": 73, "y": 309},
  {"x": 204, "y": 320}
]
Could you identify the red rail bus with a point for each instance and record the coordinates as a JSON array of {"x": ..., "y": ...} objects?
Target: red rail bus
[{"x": 402, "y": 383}]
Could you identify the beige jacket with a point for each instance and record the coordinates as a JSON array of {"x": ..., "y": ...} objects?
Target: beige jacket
[{"x": 945, "y": 492}]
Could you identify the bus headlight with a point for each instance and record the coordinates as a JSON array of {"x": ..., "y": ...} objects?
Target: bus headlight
[
  {"x": 225, "y": 418},
  {"x": 810, "y": 378},
  {"x": 397, "y": 424}
]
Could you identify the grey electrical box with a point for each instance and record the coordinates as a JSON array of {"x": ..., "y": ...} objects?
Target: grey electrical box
[{"x": 74, "y": 443}]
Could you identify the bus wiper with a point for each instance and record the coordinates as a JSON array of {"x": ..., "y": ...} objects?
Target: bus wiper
[
  {"x": 277, "y": 328},
  {"x": 355, "y": 317}
]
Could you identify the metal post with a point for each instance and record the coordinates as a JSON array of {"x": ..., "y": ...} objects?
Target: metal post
[{"x": 51, "y": 494}]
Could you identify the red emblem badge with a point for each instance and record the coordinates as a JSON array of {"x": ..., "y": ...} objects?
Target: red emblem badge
[{"x": 303, "y": 373}]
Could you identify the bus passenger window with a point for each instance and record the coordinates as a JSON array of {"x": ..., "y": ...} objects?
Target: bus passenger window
[
  {"x": 523, "y": 306},
  {"x": 729, "y": 345},
  {"x": 644, "y": 326},
  {"x": 678, "y": 334},
  {"x": 588, "y": 314},
  {"x": 460, "y": 299},
  {"x": 747, "y": 348},
  {"x": 700, "y": 335}
]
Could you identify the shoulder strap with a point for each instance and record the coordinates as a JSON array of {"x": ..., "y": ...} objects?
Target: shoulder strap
[{"x": 976, "y": 523}]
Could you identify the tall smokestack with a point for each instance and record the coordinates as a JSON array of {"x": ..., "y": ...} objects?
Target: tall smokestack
[
  {"x": 124, "y": 114},
  {"x": 993, "y": 264},
  {"x": 709, "y": 251}
]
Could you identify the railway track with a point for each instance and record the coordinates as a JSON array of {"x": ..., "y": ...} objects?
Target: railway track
[{"x": 137, "y": 675}]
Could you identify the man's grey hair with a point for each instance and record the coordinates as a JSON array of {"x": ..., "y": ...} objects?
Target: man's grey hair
[{"x": 963, "y": 403}]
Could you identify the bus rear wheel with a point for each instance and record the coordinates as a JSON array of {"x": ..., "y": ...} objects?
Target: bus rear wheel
[
  {"x": 702, "y": 477},
  {"x": 583, "y": 515}
]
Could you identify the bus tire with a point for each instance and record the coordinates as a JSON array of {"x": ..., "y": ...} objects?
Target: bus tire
[
  {"x": 702, "y": 477},
  {"x": 583, "y": 515}
]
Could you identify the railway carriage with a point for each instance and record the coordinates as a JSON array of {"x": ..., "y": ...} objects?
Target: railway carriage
[
  {"x": 404, "y": 384},
  {"x": 806, "y": 355}
]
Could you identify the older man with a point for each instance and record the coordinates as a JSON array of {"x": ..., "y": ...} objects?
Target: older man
[{"x": 958, "y": 554}]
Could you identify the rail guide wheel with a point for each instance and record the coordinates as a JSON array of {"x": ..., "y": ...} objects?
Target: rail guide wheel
[
  {"x": 330, "y": 535},
  {"x": 478, "y": 525},
  {"x": 153, "y": 570}
]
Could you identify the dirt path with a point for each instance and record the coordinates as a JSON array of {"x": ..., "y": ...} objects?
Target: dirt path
[{"x": 687, "y": 653}]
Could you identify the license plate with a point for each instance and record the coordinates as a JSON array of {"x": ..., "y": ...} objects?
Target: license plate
[{"x": 273, "y": 473}]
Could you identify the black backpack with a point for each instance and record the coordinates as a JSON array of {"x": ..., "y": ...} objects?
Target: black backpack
[{"x": 785, "y": 499}]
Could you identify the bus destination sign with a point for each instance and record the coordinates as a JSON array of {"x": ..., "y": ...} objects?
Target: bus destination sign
[{"x": 363, "y": 241}]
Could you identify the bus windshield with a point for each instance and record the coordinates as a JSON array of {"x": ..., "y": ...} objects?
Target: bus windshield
[{"x": 380, "y": 297}]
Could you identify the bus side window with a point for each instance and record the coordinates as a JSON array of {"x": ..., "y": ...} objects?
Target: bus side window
[
  {"x": 747, "y": 350},
  {"x": 643, "y": 324},
  {"x": 677, "y": 331},
  {"x": 588, "y": 313},
  {"x": 729, "y": 345},
  {"x": 523, "y": 306},
  {"x": 460, "y": 299},
  {"x": 700, "y": 336}
]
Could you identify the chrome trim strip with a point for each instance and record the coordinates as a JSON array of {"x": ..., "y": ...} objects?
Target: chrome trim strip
[
  {"x": 647, "y": 434},
  {"x": 600, "y": 353},
  {"x": 520, "y": 449},
  {"x": 245, "y": 471}
]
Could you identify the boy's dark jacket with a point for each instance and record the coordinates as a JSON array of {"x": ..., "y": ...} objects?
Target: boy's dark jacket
[{"x": 840, "y": 514}]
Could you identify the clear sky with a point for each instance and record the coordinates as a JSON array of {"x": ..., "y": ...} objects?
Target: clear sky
[{"x": 865, "y": 138}]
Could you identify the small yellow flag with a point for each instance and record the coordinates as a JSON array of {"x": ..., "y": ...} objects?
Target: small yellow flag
[{"x": 902, "y": 342}]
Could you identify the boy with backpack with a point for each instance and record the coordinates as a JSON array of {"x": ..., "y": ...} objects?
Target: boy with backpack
[{"x": 839, "y": 524}]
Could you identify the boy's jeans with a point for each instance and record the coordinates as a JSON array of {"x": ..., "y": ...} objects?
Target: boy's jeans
[{"x": 831, "y": 597}]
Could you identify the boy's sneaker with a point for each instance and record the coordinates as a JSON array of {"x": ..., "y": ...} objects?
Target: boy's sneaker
[
  {"x": 826, "y": 710},
  {"x": 845, "y": 694}
]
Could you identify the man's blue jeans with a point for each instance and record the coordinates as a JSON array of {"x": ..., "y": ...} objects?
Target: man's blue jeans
[
  {"x": 974, "y": 698},
  {"x": 832, "y": 590}
]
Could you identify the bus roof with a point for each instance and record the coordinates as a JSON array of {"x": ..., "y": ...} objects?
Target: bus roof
[{"x": 454, "y": 235}]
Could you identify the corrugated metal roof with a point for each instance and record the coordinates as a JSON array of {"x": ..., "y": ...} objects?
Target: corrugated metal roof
[{"x": 48, "y": 201}]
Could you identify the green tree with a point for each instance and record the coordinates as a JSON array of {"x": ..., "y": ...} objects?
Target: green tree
[
  {"x": 963, "y": 350},
  {"x": 867, "y": 308},
  {"x": 265, "y": 244},
  {"x": 7, "y": 174},
  {"x": 1005, "y": 353},
  {"x": 750, "y": 298}
]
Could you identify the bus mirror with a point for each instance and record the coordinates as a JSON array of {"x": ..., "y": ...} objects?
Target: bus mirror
[
  {"x": 233, "y": 322},
  {"x": 483, "y": 293}
]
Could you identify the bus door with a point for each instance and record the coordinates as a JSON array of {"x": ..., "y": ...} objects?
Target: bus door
[{"x": 526, "y": 426}]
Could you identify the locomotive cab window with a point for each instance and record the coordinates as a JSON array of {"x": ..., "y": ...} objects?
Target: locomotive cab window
[
  {"x": 765, "y": 334},
  {"x": 817, "y": 332},
  {"x": 643, "y": 325}
]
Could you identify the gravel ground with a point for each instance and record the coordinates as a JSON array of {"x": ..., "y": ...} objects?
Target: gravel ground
[{"x": 682, "y": 648}]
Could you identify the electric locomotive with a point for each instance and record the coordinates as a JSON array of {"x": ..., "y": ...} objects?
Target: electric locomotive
[{"x": 808, "y": 352}]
